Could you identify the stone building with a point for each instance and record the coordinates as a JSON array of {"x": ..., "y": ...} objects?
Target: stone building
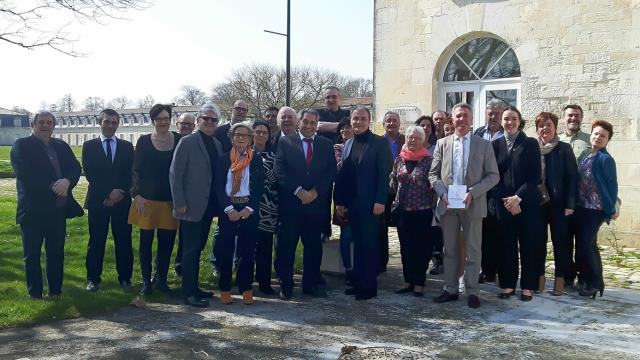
[{"x": 536, "y": 54}]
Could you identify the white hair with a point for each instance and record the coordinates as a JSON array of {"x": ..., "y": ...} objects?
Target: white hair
[
  {"x": 415, "y": 129},
  {"x": 209, "y": 107}
]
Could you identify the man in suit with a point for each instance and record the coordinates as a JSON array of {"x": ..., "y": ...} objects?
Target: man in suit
[
  {"x": 194, "y": 199},
  {"x": 463, "y": 159},
  {"x": 238, "y": 114},
  {"x": 46, "y": 172},
  {"x": 287, "y": 124},
  {"x": 360, "y": 194},
  {"x": 305, "y": 168},
  {"x": 107, "y": 162},
  {"x": 492, "y": 130}
]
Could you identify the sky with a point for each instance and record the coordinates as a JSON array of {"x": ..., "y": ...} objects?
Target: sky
[{"x": 196, "y": 42}]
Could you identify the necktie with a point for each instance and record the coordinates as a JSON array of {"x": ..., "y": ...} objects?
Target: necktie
[
  {"x": 309, "y": 153},
  {"x": 509, "y": 143},
  {"x": 109, "y": 153}
]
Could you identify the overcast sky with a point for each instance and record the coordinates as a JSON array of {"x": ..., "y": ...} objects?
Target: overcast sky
[{"x": 195, "y": 42}]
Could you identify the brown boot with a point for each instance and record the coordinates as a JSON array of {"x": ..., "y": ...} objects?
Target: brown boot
[
  {"x": 247, "y": 297},
  {"x": 225, "y": 297},
  {"x": 541, "y": 282},
  {"x": 558, "y": 287}
]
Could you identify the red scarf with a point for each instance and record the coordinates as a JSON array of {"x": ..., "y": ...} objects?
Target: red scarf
[{"x": 413, "y": 155}]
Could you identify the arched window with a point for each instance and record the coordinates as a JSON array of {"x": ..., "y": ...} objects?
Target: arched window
[{"x": 480, "y": 70}]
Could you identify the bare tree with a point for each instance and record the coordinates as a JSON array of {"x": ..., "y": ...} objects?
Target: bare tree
[
  {"x": 262, "y": 86},
  {"x": 146, "y": 102},
  {"x": 66, "y": 104},
  {"x": 93, "y": 103},
  {"x": 190, "y": 95},
  {"x": 22, "y": 111},
  {"x": 357, "y": 88},
  {"x": 44, "y": 23},
  {"x": 119, "y": 103}
]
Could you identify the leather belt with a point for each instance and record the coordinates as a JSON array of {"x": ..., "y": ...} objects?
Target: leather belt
[{"x": 239, "y": 200}]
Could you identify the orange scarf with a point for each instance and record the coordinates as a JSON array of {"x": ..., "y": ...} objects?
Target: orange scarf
[{"x": 238, "y": 164}]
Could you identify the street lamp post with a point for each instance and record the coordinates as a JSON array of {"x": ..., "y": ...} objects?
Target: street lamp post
[{"x": 288, "y": 66}]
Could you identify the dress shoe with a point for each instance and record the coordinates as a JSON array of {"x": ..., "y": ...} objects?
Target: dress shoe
[
  {"x": 126, "y": 284},
  {"x": 506, "y": 294},
  {"x": 315, "y": 292},
  {"x": 36, "y": 296},
  {"x": 590, "y": 292},
  {"x": 93, "y": 286},
  {"x": 473, "y": 301},
  {"x": 247, "y": 297},
  {"x": 163, "y": 287},
  {"x": 204, "y": 294},
  {"x": 418, "y": 294},
  {"x": 196, "y": 302},
  {"x": 445, "y": 296},
  {"x": 225, "y": 298},
  {"x": 146, "y": 289},
  {"x": 366, "y": 295},
  {"x": 266, "y": 290},
  {"x": 405, "y": 290},
  {"x": 438, "y": 266},
  {"x": 350, "y": 291},
  {"x": 286, "y": 294},
  {"x": 525, "y": 297}
]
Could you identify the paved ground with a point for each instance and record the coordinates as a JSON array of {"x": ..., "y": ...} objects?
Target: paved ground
[{"x": 389, "y": 327}]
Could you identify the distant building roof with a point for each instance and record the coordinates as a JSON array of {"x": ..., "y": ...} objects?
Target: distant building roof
[{"x": 4, "y": 111}]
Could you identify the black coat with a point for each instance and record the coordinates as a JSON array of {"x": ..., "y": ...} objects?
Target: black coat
[
  {"x": 35, "y": 174},
  {"x": 292, "y": 171},
  {"x": 561, "y": 176},
  {"x": 104, "y": 175},
  {"x": 222, "y": 134},
  {"x": 256, "y": 182},
  {"x": 520, "y": 170}
]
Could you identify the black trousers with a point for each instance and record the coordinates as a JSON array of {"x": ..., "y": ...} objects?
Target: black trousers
[
  {"x": 552, "y": 215},
  {"x": 490, "y": 245},
  {"x": 437, "y": 241},
  {"x": 415, "y": 245},
  {"x": 264, "y": 256},
  {"x": 166, "y": 238},
  {"x": 573, "y": 266},
  {"x": 519, "y": 232},
  {"x": 296, "y": 226},
  {"x": 99, "y": 221},
  {"x": 366, "y": 251},
  {"x": 239, "y": 236},
  {"x": 194, "y": 236},
  {"x": 52, "y": 231},
  {"x": 587, "y": 252}
]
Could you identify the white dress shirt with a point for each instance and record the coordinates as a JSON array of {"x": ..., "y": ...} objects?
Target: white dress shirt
[
  {"x": 244, "y": 185},
  {"x": 114, "y": 144},
  {"x": 304, "y": 151},
  {"x": 460, "y": 157}
]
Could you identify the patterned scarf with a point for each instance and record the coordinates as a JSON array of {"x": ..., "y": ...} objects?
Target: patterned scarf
[
  {"x": 544, "y": 150},
  {"x": 413, "y": 155},
  {"x": 238, "y": 164}
]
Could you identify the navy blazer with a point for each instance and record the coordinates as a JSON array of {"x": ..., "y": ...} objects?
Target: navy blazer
[
  {"x": 367, "y": 182},
  {"x": 292, "y": 171},
  {"x": 520, "y": 170},
  {"x": 104, "y": 175},
  {"x": 35, "y": 175},
  {"x": 256, "y": 182}
]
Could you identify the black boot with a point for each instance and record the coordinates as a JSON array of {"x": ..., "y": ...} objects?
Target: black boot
[{"x": 161, "y": 285}]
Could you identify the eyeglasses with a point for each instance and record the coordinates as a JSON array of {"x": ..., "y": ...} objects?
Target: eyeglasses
[
  {"x": 187, "y": 124},
  {"x": 331, "y": 97},
  {"x": 242, "y": 136},
  {"x": 163, "y": 119},
  {"x": 209, "y": 119},
  {"x": 240, "y": 109},
  {"x": 261, "y": 132}
]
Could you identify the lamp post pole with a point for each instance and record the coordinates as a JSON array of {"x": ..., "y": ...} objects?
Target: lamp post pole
[{"x": 288, "y": 65}]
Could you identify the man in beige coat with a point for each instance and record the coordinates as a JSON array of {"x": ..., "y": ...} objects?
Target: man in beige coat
[{"x": 463, "y": 159}]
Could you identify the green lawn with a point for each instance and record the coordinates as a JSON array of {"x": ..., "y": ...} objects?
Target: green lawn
[{"x": 16, "y": 308}]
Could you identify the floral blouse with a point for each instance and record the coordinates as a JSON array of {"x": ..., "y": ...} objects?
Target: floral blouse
[{"x": 588, "y": 196}]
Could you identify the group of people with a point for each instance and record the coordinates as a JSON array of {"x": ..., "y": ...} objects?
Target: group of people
[{"x": 470, "y": 202}]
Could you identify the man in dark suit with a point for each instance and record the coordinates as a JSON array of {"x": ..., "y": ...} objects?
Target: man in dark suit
[
  {"x": 360, "y": 194},
  {"x": 194, "y": 199},
  {"x": 238, "y": 114},
  {"x": 305, "y": 168},
  {"x": 46, "y": 172},
  {"x": 107, "y": 162}
]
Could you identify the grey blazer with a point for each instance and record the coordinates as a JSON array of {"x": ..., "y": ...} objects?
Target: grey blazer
[
  {"x": 190, "y": 176},
  {"x": 481, "y": 175}
]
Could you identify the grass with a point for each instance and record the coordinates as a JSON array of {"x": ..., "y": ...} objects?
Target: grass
[{"x": 16, "y": 308}]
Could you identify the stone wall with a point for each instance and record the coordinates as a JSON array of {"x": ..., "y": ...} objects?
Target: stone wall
[{"x": 580, "y": 51}]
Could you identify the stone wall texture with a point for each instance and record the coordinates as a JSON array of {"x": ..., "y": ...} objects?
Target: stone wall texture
[{"x": 571, "y": 51}]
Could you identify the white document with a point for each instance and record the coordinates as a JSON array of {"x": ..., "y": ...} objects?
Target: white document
[{"x": 456, "y": 196}]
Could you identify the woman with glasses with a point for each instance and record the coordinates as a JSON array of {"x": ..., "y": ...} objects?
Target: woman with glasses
[
  {"x": 239, "y": 184},
  {"x": 152, "y": 207},
  {"x": 268, "y": 212}
]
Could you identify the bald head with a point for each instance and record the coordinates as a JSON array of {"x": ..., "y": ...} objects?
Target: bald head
[
  {"x": 287, "y": 120},
  {"x": 185, "y": 124},
  {"x": 239, "y": 111}
]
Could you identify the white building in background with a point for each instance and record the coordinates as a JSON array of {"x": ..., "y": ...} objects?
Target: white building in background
[
  {"x": 538, "y": 55},
  {"x": 13, "y": 126}
]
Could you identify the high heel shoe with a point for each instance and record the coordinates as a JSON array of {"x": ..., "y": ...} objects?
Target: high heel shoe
[
  {"x": 525, "y": 297},
  {"x": 506, "y": 295},
  {"x": 591, "y": 292}
]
